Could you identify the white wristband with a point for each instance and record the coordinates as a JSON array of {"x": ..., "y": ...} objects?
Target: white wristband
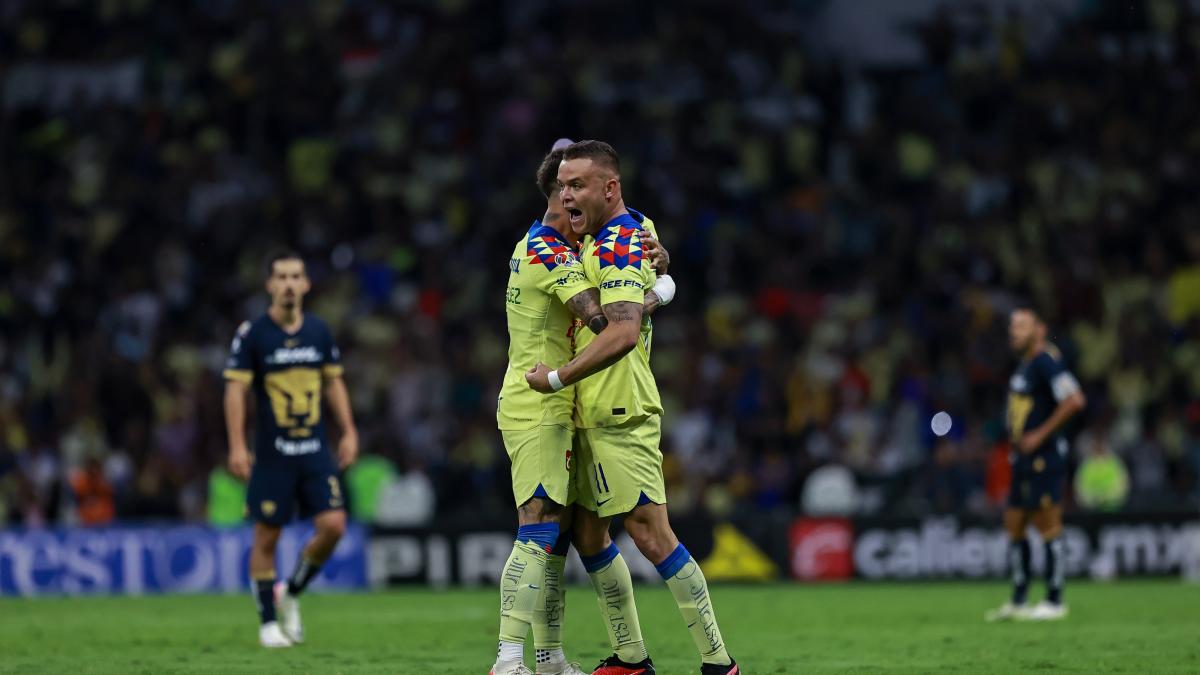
[
  {"x": 664, "y": 288},
  {"x": 555, "y": 383}
]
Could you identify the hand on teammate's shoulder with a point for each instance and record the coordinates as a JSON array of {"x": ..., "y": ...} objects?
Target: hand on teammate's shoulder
[{"x": 659, "y": 258}]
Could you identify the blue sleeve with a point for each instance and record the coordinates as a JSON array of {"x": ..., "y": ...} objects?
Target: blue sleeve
[
  {"x": 332, "y": 366},
  {"x": 1047, "y": 368},
  {"x": 240, "y": 364}
]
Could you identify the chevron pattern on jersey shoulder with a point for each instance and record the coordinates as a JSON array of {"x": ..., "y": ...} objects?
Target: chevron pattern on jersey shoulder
[
  {"x": 620, "y": 247},
  {"x": 549, "y": 251}
]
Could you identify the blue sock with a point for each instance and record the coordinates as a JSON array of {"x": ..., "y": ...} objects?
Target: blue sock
[
  {"x": 1018, "y": 560},
  {"x": 673, "y": 563},
  {"x": 545, "y": 535},
  {"x": 264, "y": 597},
  {"x": 594, "y": 563}
]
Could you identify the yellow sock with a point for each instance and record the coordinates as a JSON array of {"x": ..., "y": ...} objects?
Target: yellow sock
[
  {"x": 548, "y": 617},
  {"x": 522, "y": 588},
  {"x": 690, "y": 589},
  {"x": 614, "y": 591}
]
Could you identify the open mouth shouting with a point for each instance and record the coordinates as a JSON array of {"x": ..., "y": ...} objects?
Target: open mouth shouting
[{"x": 575, "y": 217}]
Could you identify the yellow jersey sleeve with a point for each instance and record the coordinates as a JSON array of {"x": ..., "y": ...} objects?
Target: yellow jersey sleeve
[
  {"x": 542, "y": 269},
  {"x": 566, "y": 279},
  {"x": 620, "y": 276}
]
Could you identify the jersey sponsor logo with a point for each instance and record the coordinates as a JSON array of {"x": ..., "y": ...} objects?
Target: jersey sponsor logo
[
  {"x": 291, "y": 448},
  {"x": 621, "y": 283},
  {"x": 572, "y": 276},
  {"x": 620, "y": 248},
  {"x": 514, "y": 265},
  {"x": 286, "y": 356}
]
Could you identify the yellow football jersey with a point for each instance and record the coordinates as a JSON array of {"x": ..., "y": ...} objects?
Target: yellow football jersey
[
  {"x": 543, "y": 274},
  {"x": 613, "y": 262}
]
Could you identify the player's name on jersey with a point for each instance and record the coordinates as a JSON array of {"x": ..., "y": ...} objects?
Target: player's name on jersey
[
  {"x": 306, "y": 447},
  {"x": 297, "y": 355}
]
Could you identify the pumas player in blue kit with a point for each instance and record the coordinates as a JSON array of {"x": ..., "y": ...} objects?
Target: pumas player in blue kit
[
  {"x": 290, "y": 362},
  {"x": 1042, "y": 397}
]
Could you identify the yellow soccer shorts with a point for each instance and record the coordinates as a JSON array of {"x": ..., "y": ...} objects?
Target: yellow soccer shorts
[
  {"x": 543, "y": 464},
  {"x": 620, "y": 467}
]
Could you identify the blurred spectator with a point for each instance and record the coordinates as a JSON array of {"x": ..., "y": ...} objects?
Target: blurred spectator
[
  {"x": 366, "y": 482},
  {"x": 93, "y": 494},
  {"x": 1102, "y": 483},
  {"x": 226, "y": 499},
  {"x": 407, "y": 501},
  {"x": 830, "y": 490}
]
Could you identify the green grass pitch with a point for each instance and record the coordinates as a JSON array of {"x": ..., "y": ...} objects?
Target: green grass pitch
[{"x": 1126, "y": 627}]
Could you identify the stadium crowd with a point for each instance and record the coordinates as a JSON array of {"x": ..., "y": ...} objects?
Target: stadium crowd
[{"x": 847, "y": 240}]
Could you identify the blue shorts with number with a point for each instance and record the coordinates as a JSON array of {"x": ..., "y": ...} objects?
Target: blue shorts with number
[
  {"x": 1037, "y": 481},
  {"x": 277, "y": 485}
]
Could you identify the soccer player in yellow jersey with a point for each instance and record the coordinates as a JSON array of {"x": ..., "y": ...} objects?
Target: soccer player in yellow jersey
[
  {"x": 618, "y": 415},
  {"x": 547, "y": 290}
]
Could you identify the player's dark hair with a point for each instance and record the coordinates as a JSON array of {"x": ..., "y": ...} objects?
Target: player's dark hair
[
  {"x": 1026, "y": 306},
  {"x": 597, "y": 151},
  {"x": 547, "y": 173},
  {"x": 280, "y": 254}
]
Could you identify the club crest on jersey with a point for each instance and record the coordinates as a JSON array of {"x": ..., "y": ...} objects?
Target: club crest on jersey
[
  {"x": 620, "y": 248},
  {"x": 548, "y": 251}
]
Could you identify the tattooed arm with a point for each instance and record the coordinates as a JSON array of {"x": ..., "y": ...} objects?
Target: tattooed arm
[
  {"x": 617, "y": 340},
  {"x": 585, "y": 305}
]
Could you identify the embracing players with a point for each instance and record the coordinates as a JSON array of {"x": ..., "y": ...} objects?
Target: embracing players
[
  {"x": 547, "y": 291},
  {"x": 291, "y": 363},
  {"x": 619, "y": 415},
  {"x": 1042, "y": 396}
]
